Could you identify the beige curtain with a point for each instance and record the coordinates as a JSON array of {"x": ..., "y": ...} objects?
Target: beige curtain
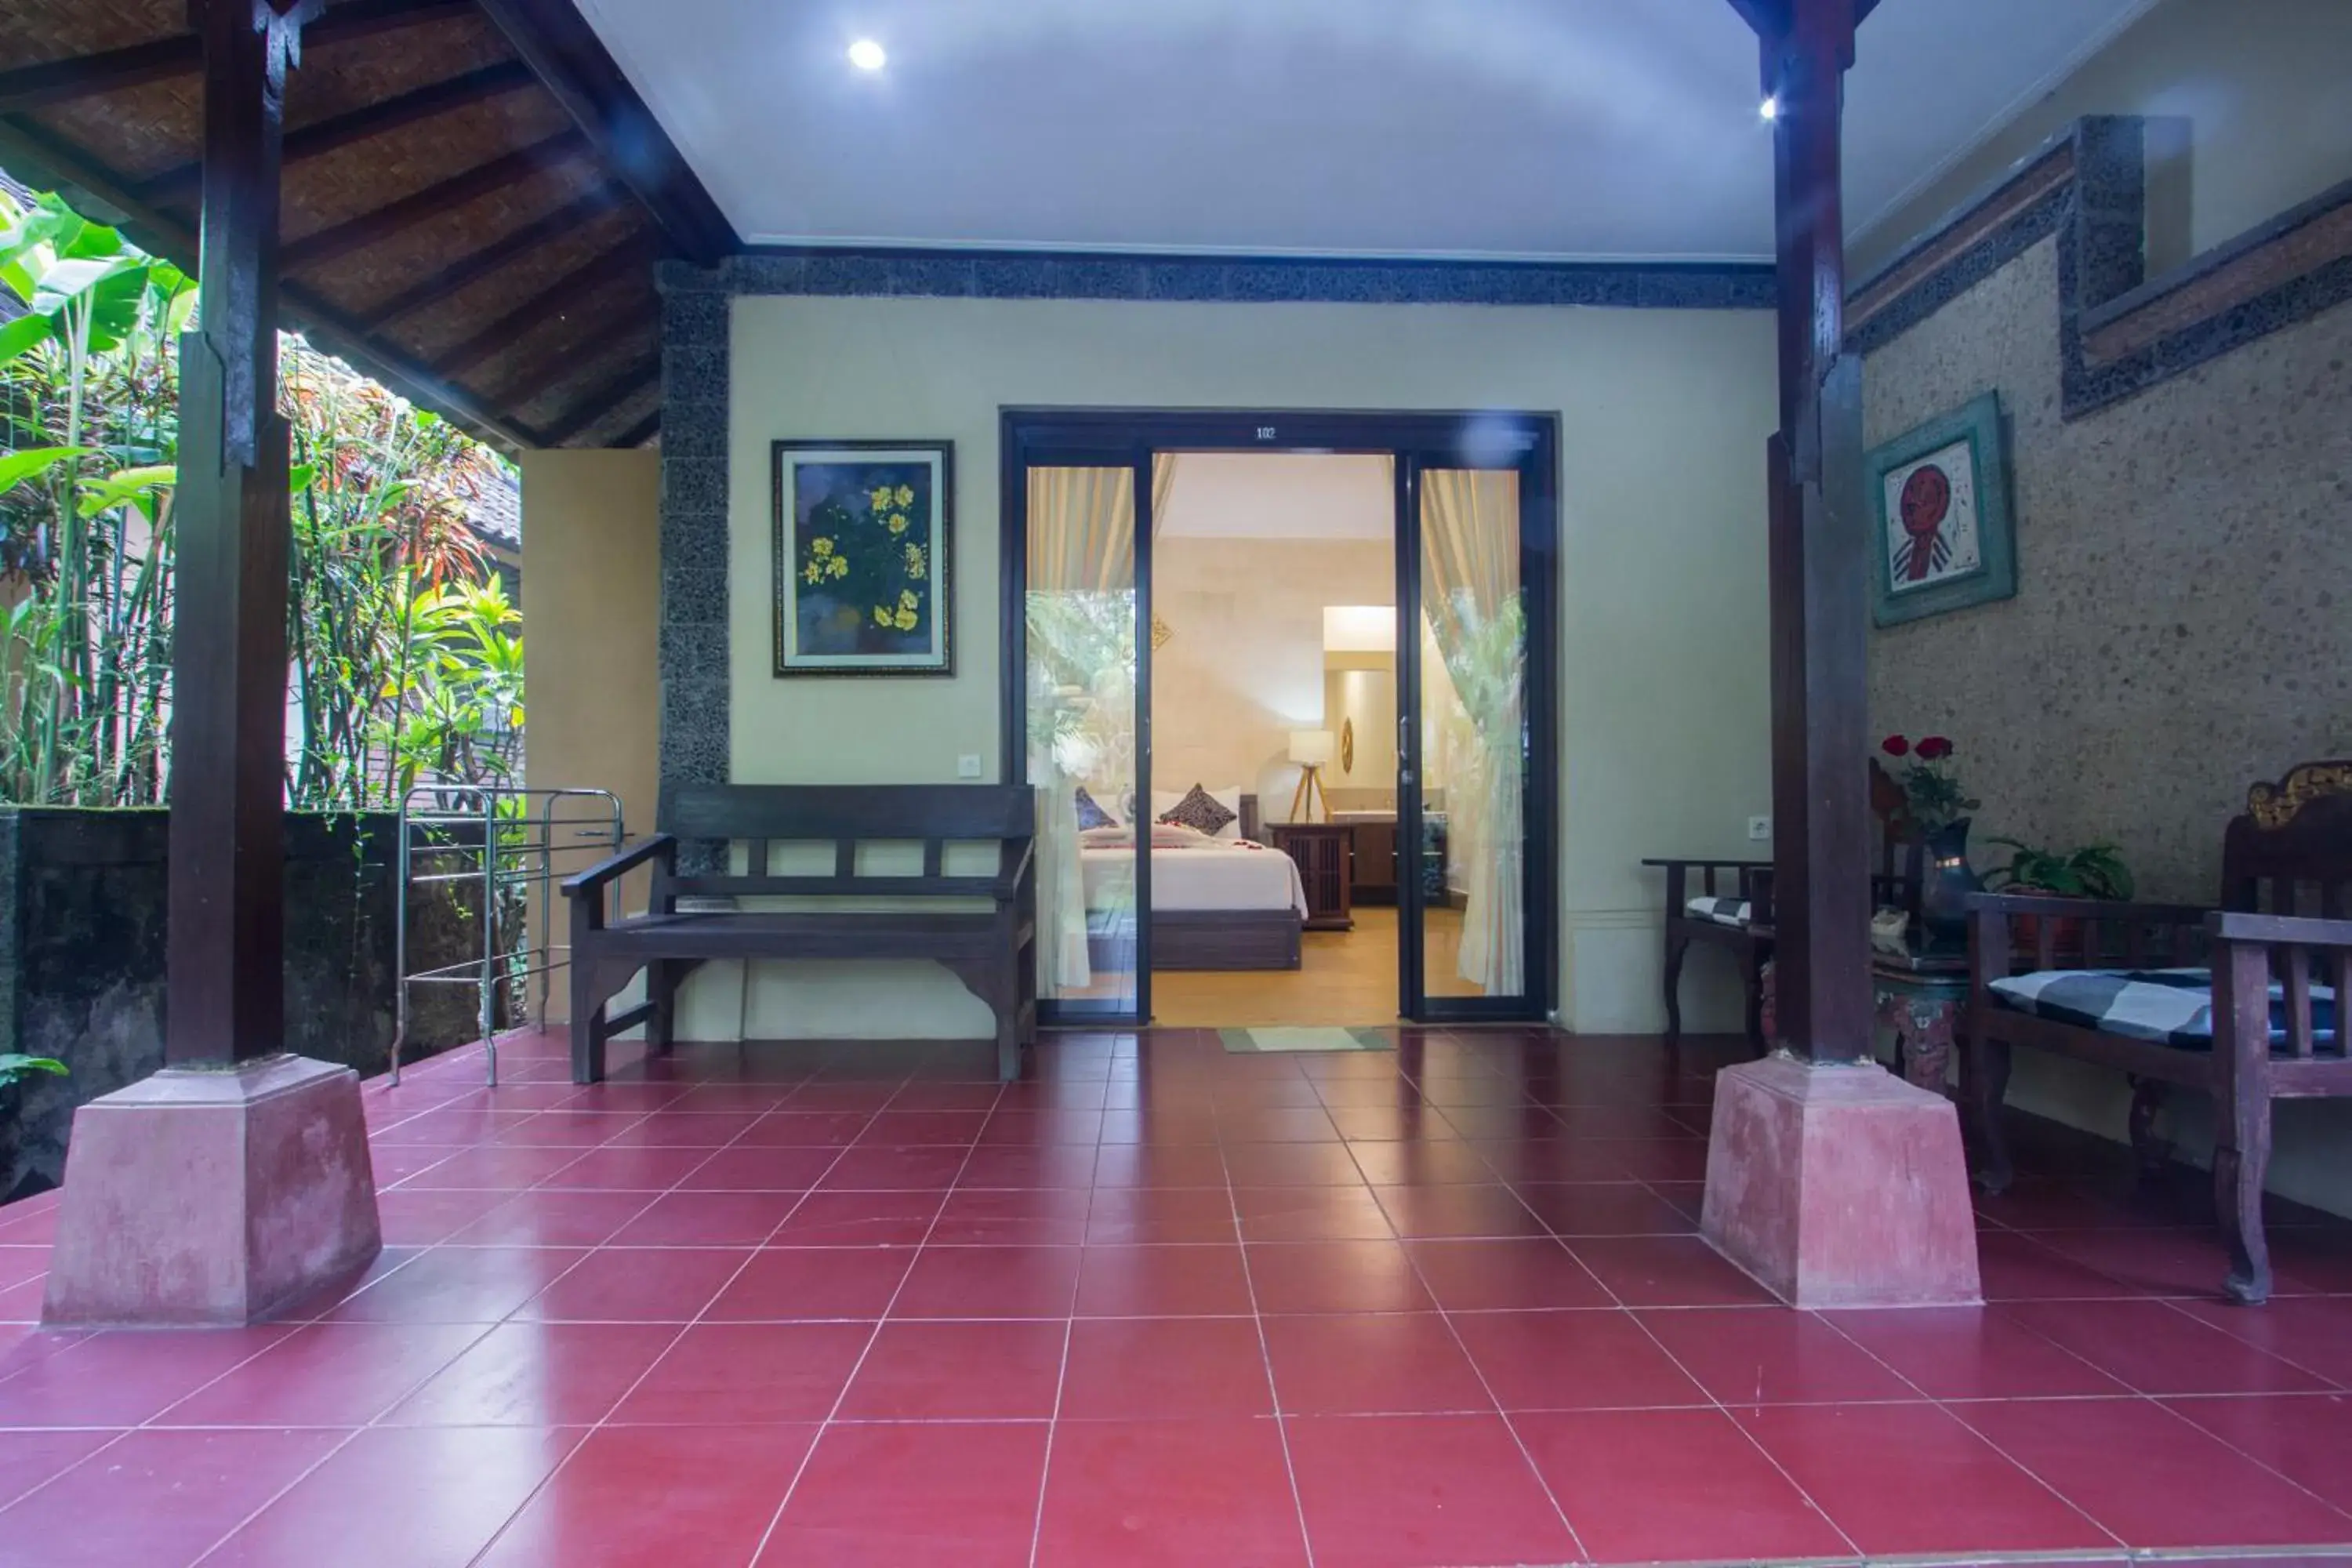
[
  {"x": 1081, "y": 568},
  {"x": 1470, "y": 598}
]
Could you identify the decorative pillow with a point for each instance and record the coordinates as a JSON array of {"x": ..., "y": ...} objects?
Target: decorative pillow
[
  {"x": 1090, "y": 814},
  {"x": 1200, "y": 811}
]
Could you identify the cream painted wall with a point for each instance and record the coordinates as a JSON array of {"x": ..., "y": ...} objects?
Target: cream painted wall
[
  {"x": 1244, "y": 665},
  {"x": 1665, "y": 700},
  {"x": 2254, "y": 92},
  {"x": 591, "y": 595}
]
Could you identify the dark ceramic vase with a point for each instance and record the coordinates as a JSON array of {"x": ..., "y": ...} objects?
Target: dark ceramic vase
[{"x": 1946, "y": 883}]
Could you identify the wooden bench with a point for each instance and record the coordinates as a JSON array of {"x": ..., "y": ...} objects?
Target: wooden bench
[
  {"x": 2273, "y": 1032},
  {"x": 989, "y": 942},
  {"x": 1729, "y": 904}
]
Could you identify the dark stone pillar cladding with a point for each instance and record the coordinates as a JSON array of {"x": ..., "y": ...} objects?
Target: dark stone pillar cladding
[{"x": 693, "y": 622}]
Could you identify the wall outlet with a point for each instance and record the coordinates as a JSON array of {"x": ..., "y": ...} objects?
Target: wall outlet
[
  {"x": 1759, "y": 828},
  {"x": 968, "y": 765}
]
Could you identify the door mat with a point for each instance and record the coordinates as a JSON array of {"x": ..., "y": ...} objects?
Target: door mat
[{"x": 1241, "y": 1041}]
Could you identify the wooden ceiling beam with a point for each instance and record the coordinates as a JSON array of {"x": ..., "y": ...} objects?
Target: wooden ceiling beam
[
  {"x": 480, "y": 264},
  {"x": 640, "y": 433},
  {"x": 181, "y": 53},
  {"x": 87, "y": 75},
  {"x": 342, "y": 131},
  {"x": 547, "y": 370},
  {"x": 630, "y": 255},
  {"x": 601, "y": 403},
  {"x": 380, "y": 223},
  {"x": 559, "y": 44}
]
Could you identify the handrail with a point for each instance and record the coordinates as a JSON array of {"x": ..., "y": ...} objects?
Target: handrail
[{"x": 504, "y": 861}]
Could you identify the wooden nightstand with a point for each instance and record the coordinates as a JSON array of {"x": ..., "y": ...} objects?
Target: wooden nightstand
[{"x": 1324, "y": 852}]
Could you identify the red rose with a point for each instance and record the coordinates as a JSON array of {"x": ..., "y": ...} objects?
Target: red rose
[
  {"x": 1895, "y": 746},
  {"x": 1934, "y": 748}
]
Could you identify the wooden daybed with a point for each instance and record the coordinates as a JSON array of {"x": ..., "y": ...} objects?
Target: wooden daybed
[{"x": 2257, "y": 1019}]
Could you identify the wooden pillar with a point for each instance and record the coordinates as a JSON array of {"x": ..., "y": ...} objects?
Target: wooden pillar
[
  {"x": 1821, "y": 897},
  {"x": 226, "y": 942}
]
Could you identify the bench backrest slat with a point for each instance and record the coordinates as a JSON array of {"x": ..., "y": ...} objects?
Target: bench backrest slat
[
  {"x": 934, "y": 815},
  {"x": 854, "y": 812}
]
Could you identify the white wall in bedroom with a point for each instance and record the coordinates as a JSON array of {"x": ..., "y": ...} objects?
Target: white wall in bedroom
[{"x": 1243, "y": 666}]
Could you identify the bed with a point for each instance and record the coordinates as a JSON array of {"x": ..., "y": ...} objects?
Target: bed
[{"x": 1219, "y": 903}]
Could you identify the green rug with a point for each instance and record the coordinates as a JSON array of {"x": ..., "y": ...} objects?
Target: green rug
[{"x": 1304, "y": 1040}]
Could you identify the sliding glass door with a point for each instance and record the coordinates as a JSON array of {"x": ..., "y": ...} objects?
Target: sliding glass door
[
  {"x": 1475, "y": 565},
  {"x": 1476, "y": 560},
  {"x": 1084, "y": 663}
]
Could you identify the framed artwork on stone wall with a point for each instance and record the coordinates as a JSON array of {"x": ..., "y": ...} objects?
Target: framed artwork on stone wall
[
  {"x": 865, "y": 539},
  {"x": 1942, "y": 537}
]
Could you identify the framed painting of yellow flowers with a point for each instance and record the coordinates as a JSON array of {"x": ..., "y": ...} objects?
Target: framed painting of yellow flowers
[{"x": 864, "y": 537}]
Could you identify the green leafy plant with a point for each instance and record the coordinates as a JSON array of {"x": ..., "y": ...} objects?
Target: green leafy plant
[
  {"x": 15, "y": 1066},
  {"x": 406, "y": 653},
  {"x": 2094, "y": 871}
]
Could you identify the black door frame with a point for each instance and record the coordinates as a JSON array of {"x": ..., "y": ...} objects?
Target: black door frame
[{"x": 1110, "y": 437}]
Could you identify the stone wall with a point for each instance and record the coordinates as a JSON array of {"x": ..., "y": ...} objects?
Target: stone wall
[
  {"x": 81, "y": 959},
  {"x": 2182, "y": 624},
  {"x": 2183, "y": 620}
]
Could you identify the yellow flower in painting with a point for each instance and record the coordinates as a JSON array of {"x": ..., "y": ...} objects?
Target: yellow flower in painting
[
  {"x": 813, "y": 574},
  {"x": 905, "y": 620},
  {"x": 899, "y": 522},
  {"x": 837, "y": 568},
  {"x": 881, "y": 614},
  {"x": 906, "y": 600},
  {"x": 914, "y": 561},
  {"x": 906, "y": 495},
  {"x": 821, "y": 548},
  {"x": 880, "y": 498}
]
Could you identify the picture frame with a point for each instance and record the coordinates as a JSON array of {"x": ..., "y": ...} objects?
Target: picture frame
[
  {"x": 865, "y": 555},
  {"x": 1943, "y": 537}
]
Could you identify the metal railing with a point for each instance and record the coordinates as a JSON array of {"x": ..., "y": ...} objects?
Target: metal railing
[{"x": 498, "y": 839}]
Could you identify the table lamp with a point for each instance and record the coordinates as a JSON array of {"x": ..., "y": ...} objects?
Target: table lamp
[{"x": 1311, "y": 749}]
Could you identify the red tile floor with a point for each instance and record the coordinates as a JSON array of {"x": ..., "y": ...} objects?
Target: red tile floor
[{"x": 1162, "y": 1305}]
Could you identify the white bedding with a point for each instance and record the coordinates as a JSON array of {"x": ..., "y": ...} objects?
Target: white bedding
[{"x": 1214, "y": 874}]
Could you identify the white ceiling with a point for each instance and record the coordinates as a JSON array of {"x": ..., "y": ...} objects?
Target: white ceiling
[
  {"x": 1493, "y": 128},
  {"x": 1278, "y": 495}
]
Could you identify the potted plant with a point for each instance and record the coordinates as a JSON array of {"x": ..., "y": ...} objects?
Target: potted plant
[
  {"x": 1939, "y": 807},
  {"x": 2093, "y": 871}
]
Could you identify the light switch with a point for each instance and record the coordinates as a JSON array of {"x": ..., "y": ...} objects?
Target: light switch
[
  {"x": 968, "y": 765},
  {"x": 1759, "y": 828}
]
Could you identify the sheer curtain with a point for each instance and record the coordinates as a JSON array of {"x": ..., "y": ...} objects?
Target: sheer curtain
[
  {"x": 1081, "y": 565},
  {"x": 1470, "y": 596}
]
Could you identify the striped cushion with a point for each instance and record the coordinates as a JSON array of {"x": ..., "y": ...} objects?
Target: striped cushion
[
  {"x": 2170, "y": 1006},
  {"x": 1722, "y": 912}
]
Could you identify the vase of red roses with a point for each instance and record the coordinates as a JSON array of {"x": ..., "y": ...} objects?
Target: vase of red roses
[{"x": 1939, "y": 808}]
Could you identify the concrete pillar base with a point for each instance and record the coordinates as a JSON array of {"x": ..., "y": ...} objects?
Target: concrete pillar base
[
  {"x": 213, "y": 1195},
  {"x": 1840, "y": 1186}
]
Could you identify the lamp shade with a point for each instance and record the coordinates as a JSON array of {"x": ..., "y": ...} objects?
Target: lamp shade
[{"x": 1312, "y": 748}]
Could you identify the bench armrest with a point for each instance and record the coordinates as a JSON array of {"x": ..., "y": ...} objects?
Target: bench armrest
[
  {"x": 612, "y": 867},
  {"x": 1015, "y": 876}
]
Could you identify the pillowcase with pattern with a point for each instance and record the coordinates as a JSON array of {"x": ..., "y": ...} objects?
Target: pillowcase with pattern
[
  {"x": 1090, "y": 813},
  {"x": 1201, "y": 811}
]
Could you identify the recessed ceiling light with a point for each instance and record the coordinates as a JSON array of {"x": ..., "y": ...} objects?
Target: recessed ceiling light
[
  {"x": 867, "y": 55},
  {"x": 1769, "y": 109}
]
